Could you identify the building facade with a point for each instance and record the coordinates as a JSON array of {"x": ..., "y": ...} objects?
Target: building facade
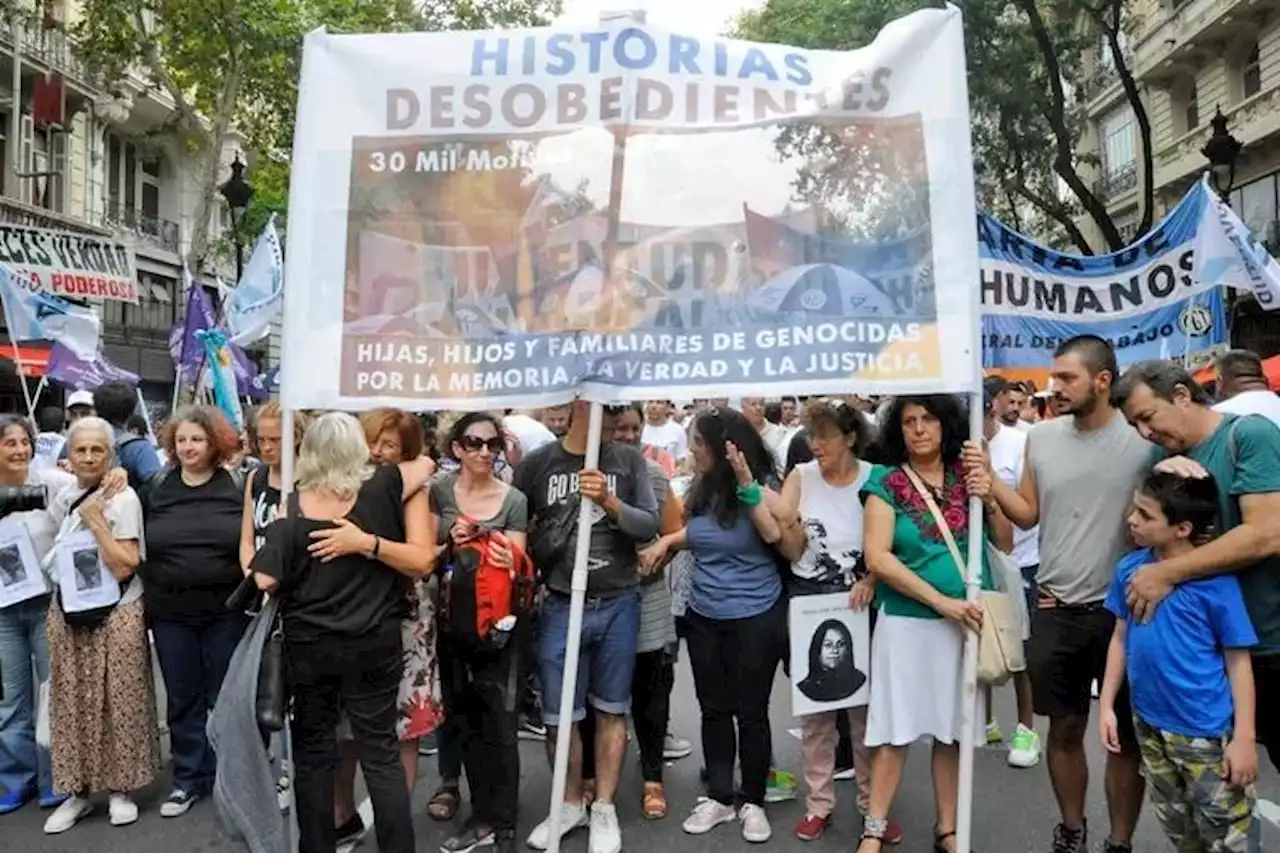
[
  {"x": 1190, "y": 59},
  {"x": 83, "y": 160}
]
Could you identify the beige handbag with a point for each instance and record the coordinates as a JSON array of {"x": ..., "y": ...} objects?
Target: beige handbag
[{"x": 1000, "y": 650}]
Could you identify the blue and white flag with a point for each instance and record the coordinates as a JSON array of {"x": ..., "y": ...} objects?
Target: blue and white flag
[
  {"x": 261, "y": 386},
  {"x": 33, "y": 315},
  {"x": 219, "y": 374},
  {"x": 1227, "y": 253},
  {"x": 259, "y": 295}
]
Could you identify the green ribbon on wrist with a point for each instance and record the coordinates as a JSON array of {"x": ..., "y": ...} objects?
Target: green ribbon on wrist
[{"x": 750, "y": 495}]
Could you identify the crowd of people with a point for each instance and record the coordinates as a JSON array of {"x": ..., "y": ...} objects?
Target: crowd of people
[{"x": 1143, "y": 513}]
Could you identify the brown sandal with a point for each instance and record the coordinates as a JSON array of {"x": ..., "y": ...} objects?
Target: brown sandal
[
  {"x": 444, "y": 803},
  {"x": 654, "y": 804}
]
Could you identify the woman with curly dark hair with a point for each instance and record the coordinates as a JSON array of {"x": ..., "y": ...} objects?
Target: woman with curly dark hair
[
  {"x": 737, "y": 618},
  {"x": 923, "y": 614},
  {"x": 193, "y": 513}
]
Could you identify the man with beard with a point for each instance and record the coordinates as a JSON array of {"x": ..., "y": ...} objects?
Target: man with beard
[
  {"x": 1080, "y": 474},
  {"x": 1242, "y": 452}
]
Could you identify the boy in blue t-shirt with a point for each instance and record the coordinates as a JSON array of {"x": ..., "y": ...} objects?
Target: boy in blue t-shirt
[{"x": 1190, "y": 678}]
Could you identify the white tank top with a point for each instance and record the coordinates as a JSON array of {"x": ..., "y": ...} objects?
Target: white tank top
[{"x": 832, "y": 520}]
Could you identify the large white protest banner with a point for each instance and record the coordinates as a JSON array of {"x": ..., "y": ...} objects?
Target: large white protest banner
[
  {"x": 66, "y": 263},
  {"x": 507, "y": 218}
]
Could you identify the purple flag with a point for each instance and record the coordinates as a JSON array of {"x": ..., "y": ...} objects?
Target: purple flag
[
  {"x": 187, "y": 352},
  {"x": 65, "y": 367}
]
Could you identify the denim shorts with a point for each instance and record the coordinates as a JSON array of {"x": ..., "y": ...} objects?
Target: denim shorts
[{"x": 610, "y": 628}]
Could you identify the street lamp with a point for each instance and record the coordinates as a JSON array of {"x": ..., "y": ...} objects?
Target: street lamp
[
  {"x": 237, "y": 193},
  {"x": 1222, "y": 150}
]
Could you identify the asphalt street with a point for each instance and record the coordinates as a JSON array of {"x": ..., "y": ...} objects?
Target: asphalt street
[{"x": 1013, "y": 809}]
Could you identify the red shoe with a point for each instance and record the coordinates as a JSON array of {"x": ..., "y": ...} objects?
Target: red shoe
[
  {"x": 811, "y": 828},
  {"x": 893, "y": 835}
]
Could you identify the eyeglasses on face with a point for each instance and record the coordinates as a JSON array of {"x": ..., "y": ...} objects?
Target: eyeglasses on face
[{"x": 474, "y": 443}]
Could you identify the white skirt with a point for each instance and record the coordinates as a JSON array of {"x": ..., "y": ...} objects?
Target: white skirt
[{"x": 915, "y": 683}]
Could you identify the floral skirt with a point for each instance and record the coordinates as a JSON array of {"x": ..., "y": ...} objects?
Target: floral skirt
[
  {"x": 421, "y": 708},
  {"x": 102, "y": 703}
]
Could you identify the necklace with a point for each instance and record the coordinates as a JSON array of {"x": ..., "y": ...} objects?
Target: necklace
[{"x": 937, "y": 491}]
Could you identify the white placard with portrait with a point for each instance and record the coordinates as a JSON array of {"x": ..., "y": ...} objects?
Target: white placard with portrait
[
  {"x": 830, "y": 654},
  {"x": 20, "y": 575},
  {"x": 83, "y": 579}
]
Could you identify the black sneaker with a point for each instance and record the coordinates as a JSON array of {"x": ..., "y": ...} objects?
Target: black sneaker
[
  {"x": 473, "y": 836},
  {"x": 178, "y": 803},
  {"x": 1068, "y": 840},
  {"x": 1116, "y": 847},
  {"x": 504, "y": 841},
  {"x": 350, "y": 832},
  {"x": 531, "y": 729}
]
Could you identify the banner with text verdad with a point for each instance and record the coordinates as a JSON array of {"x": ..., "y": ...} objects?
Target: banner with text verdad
[{"x": 507, "y": 218}]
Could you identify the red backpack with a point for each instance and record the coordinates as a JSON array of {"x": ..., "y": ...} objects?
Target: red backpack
[{"x": 480, "y": 594}]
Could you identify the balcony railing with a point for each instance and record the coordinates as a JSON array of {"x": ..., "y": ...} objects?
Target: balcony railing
[
  {"x": 15, "y": 212},
  {"x": 1115, "y": 183},
  {"x": 159, "y": 232},
  {"x": 53, "y": 49}
]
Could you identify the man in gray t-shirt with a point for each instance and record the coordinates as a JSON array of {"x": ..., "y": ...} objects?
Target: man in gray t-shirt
[
  {"x": 624, "y": 514},
  {"x": 1078, "y": 481}
]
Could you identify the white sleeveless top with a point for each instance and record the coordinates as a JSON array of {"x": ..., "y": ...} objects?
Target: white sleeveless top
[{"x": 832, "y": 519}]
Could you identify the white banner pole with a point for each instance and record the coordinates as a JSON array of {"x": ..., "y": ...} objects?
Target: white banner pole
[
  {"x": 577, "y": 600},
  {"x": 969, "y": 665},
  {"x": 146, "y": 415},
  {"x": 44, "y": 381}
]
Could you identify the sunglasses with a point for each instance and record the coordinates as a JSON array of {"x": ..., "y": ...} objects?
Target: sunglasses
[{"x": 473, "y": 444}]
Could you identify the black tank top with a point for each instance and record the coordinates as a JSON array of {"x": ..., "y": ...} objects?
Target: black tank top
[{"x": 266, "y": 504}]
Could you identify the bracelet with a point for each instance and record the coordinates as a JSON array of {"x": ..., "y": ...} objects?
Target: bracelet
[
  {"x": 750, "y": 495},
  {"x": 377, "y": 545}
]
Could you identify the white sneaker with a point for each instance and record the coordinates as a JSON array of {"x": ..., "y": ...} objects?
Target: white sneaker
[
  {"x": 606, "y": 835},
  {"x": 572, "y": 816},
  {"x": 67, "y": 815},
  {"x": 706, "y": 816},
  {"x": 674, "y": 747},
  {"x": 755, "y": 824},
  {"x": 1024, "y": 748},
  {"x": 122, "y": 809}
]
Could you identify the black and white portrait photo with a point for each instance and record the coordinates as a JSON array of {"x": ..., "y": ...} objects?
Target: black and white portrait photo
[
  {"x": 830, "y": 653},
  {"x": 12, "y": 571},
  {"x": 832, "y": 673},
  {"x": 88, "y": 576}
]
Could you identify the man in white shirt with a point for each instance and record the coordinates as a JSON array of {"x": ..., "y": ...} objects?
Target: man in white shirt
[
  {"x": 1008, "y": 448},
  {"x": 1242, "y": 386},
  {"x": 661, "y": 430},
  {"x": 776, "y": 437},
  {"x": 49, "y": 440}
]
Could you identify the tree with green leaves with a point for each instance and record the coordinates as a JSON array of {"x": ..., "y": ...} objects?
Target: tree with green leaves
[
  {"x": 1027, "y": 67},
  {"x": 233, "y": 67}
]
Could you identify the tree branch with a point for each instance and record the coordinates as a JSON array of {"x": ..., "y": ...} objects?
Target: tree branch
[
  {"x": 1111, "y": 28},
  {"x": 1055, "y": 115},
  {"x": 155, "y": 64},
  {"x": 1058, "y": 213}
]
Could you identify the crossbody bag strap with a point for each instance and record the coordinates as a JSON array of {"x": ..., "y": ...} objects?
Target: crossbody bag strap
[{"x": 943, "y": 527}]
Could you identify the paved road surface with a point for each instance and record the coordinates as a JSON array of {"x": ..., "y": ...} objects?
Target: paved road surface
[{"x": 1014, "y": 809}]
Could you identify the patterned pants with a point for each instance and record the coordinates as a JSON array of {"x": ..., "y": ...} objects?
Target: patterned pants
[{"x": 1200, "y": 810}]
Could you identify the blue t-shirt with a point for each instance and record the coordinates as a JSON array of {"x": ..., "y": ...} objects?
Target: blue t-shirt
[
  {"x": 1177, "y": 673},
  {"x": 735, "y": 572}
]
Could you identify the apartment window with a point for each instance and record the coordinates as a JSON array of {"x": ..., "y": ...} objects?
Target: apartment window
[
  {"x": 1117, "y": 142},
  {"x": 1192, "y": 109},
  {"x": 133, "y": 181},
  {"x": 1252, "y": 73}
]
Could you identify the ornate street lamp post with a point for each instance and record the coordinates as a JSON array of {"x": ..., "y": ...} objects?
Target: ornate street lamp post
[{"x": 237, "y": 193}]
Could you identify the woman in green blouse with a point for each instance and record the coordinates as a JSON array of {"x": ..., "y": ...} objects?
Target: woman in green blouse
[{"x": 920, "y": 592}]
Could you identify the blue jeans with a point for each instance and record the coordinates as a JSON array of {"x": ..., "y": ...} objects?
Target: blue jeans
[
  {"x": 194, "y": 660},
  {"x": 24, "y": 662},
  {"x": 610, "y": 628}
]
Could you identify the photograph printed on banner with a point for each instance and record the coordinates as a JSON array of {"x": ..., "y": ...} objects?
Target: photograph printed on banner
[
  {"x": 84, "y": 581},
  {"x": 830, "y": 653},
  {"x": 20, "y": 575},
  {"x": 482, "y": 267}
]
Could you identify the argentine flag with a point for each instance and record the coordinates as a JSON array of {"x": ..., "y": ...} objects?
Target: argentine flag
[
  {"x": 219, "y": 375},
  {"x": 33, "y": 315}
]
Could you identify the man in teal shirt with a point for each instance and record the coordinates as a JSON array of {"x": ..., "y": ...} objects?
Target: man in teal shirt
[{"x": 1242, "y": 453}]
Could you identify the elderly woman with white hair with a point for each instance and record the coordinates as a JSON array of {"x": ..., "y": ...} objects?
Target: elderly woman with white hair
[
  {"x": 103, "y": 707},
  {"x": 340, "y": 562}
]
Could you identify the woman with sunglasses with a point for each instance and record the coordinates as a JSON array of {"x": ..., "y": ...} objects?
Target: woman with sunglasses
[
  {"x": 737, "y": 619},
  {"x": 480, "y": 683}
]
